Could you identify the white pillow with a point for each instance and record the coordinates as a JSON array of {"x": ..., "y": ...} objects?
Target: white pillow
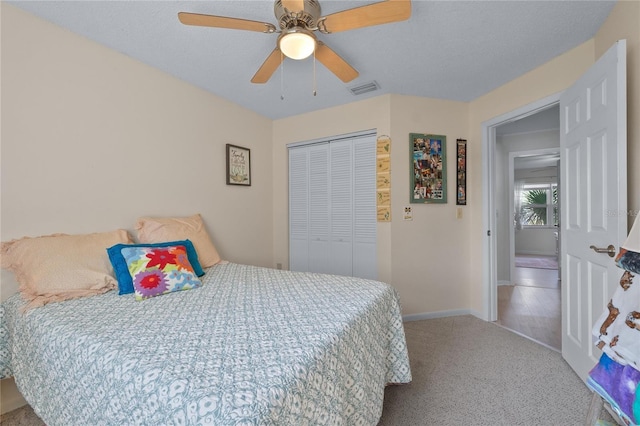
[
  {"x": 58, "y": 267},
  {"x": 158, "y": 230}
]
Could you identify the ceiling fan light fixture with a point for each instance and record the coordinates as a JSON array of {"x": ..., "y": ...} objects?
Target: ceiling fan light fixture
[{"x": 297, "y": 43}]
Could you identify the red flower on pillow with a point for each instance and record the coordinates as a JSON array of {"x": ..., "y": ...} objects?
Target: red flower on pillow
[
  {"x": 160, "y": 258},
  {"x": 150, "y": 283}
]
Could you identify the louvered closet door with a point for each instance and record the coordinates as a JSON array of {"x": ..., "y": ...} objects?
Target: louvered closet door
[
  {"x": 299, "y": 209},
  {"x": 342, "y": 207},
  {"x": 365, "y": 211},
  {"x": 319, "y": 209},
  {"x": 332, "y": 207}
]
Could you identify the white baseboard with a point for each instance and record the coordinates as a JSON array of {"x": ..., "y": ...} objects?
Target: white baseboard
[
  {"x": 504, "y": 282},
  {"x": 478, "y": 315},
  {"x": 432, "y": 315}
]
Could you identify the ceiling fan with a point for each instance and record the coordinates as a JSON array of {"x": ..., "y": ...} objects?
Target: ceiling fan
[{"x": 297, "y": 21}]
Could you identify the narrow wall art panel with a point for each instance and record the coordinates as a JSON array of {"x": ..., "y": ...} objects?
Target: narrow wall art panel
[
  {"x": 461, "y": 172},
  {"x": 383, "y": 178}
]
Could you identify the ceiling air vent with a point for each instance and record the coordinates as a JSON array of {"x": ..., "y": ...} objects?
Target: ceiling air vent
[{"x": 364, "y": 88}]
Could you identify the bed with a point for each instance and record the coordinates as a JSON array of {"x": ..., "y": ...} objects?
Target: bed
[{"x": 252, "y": 345}]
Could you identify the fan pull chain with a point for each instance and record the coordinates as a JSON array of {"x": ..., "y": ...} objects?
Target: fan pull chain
[
  {"x": 314, "y": 73},
  {"x": 282, "y": 76}
]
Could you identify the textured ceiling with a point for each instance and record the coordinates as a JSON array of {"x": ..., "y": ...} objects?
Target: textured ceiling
[{"x": 455, "y": 50}]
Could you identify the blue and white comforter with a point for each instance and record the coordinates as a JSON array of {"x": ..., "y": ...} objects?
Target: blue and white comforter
[{"x": 251, "y": 346}]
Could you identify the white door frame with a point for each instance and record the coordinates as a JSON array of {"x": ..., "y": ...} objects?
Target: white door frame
[{"x": 489, "y": 280}]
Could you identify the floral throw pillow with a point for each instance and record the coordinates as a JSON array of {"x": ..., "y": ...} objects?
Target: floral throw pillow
[
  {"x": 121, "y": 269},
  {"x": 159, "y": 270}
]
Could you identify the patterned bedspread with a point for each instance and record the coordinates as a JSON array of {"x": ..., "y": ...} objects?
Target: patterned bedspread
[{"x": 251, "y": 346}]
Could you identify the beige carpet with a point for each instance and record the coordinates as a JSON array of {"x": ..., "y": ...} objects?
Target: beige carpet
[{"x": 468, "y": 372}]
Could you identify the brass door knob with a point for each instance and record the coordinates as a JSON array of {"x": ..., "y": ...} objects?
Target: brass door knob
[{"x": 610, "y": 250}]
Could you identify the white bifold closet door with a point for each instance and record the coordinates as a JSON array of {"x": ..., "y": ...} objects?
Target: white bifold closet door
[{"x": 332, "y": 207}]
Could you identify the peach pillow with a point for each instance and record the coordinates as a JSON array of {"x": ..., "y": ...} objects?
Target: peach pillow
[
  {"x": 59, "y": 267},
  {"x": 161, "y": 229}
]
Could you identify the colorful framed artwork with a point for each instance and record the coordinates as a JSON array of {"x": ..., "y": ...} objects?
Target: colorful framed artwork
[
  {"x": 238, "y": 165},
  {"x": 461, "y": 172},
  {"x": 429, "y": 168}
]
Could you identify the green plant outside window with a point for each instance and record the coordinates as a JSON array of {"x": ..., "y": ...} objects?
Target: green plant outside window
[{"x": 539, "y": 202}]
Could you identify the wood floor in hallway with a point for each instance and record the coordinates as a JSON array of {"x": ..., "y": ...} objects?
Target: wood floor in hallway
[{"x": 532, "y": 305}]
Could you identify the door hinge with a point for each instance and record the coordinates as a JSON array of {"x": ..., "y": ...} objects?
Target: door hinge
[{"x": 488, "y": 232}]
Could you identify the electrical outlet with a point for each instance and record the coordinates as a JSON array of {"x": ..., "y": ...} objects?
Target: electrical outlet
[{"x": 278, "y": 265}]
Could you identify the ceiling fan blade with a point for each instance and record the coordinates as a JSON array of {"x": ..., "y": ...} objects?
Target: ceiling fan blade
[
  {"x": 365, "y": 16},
  {"x": 224, "y": 22},
  {"x": 269, "y": 66},
  {"x": 293, "y": 5},
  {"x": 335, "y": 63}
]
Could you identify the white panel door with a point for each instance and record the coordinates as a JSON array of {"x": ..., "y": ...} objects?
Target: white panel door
[
  {"x": 299, "y": 209},
  {"x": 593, "y": 198}
]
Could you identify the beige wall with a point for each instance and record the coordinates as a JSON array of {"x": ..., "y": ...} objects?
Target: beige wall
[
  {"x": 428, "y": 253},
  {"x": 92, "y": 139}
]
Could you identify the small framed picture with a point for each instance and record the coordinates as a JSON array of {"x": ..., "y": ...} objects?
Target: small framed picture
[{"x": 238, "y": 165}]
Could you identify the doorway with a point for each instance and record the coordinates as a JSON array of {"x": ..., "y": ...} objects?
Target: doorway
[
  {"x": 529, "y": 292},
  {"x": 593, "y": 123},
  {"x": 531, "y": 131}
]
